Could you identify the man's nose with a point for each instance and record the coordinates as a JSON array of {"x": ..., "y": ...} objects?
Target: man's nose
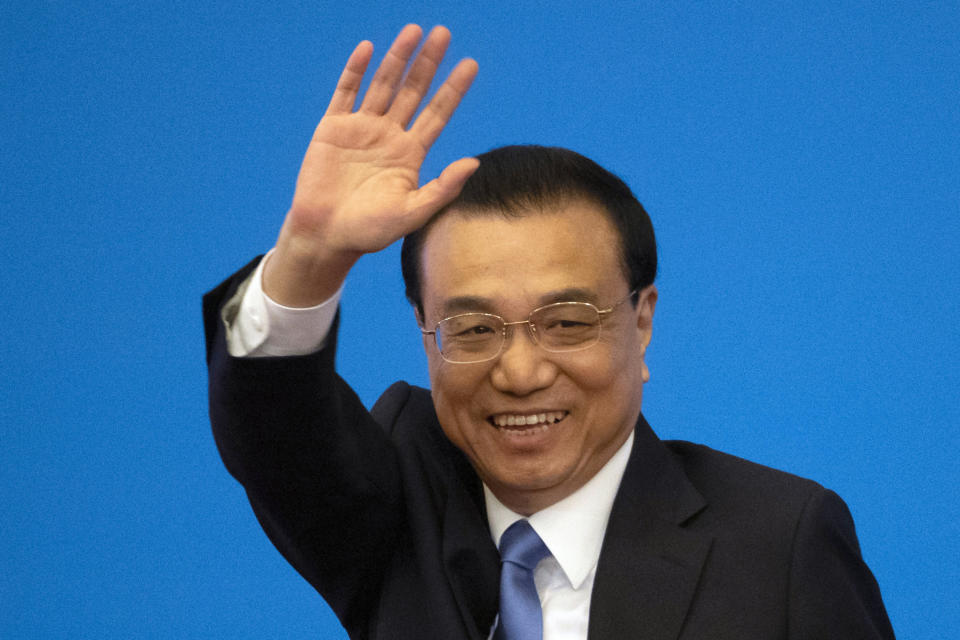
[{"x": 522, "y": 366}]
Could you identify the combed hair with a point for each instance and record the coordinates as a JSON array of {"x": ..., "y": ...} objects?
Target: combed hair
[{"x": 515, "y": 180}]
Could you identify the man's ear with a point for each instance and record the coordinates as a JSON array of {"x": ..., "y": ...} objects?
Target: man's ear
[
  {"x": 646, "y": 303},
  {"x": 418, "y": 314}
]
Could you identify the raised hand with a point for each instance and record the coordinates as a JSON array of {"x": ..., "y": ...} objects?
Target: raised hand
[{"x": 358, "y": 189}]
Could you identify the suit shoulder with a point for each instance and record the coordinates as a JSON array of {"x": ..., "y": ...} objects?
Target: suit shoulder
[
  {"x": 389, "y": 405},
  {"x": 782, "y": 543},
  {"x": 401, "y": 398},
  {"x": 725, "y": 479}
]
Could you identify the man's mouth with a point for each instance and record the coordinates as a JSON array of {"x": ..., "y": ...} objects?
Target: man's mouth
[{"x": 526, "y": 422}]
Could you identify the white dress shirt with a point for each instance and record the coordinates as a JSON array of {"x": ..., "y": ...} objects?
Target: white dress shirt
[
  {"x": 257, "y": 326},
  {"x": 573, "y": 529}
]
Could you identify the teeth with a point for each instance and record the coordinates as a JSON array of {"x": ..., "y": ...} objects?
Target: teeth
[{"x": 518, "y": 420}]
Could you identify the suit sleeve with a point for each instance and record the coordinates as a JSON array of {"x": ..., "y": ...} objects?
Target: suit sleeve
[
  {"x": 320, "y": 473},
  {"x": 833, "y": 594}
]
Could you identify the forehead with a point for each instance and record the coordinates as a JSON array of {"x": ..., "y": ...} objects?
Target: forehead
[{"x": 571, "y": 251}]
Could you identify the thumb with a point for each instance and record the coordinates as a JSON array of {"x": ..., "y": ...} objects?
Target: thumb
[{"x": 432, "y": 196}]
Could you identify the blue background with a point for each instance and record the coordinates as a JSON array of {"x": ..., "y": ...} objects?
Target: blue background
[{"x": 801, "y": 165}]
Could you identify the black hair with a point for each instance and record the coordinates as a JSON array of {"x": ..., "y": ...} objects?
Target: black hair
[{"x": 513, "y": 180}]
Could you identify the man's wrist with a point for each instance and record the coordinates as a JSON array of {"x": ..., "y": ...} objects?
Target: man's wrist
[
  {"x": 264, "y": 327},
  {"x": 299, "y": 275}
]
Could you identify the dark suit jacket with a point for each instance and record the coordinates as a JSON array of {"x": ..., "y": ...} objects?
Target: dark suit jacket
[{"x": 386, "y": 519}]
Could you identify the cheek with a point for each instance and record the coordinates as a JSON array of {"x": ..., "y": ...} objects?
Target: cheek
[
  {"x": 453, "y": 388},
  {"x": 603, "y": 368},
  {"x": 610, "y": 383}
]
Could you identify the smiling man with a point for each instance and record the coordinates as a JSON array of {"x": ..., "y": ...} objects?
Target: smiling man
[
  {"x": 524, "y": 496},
  {"x": 536, "y": 420}
]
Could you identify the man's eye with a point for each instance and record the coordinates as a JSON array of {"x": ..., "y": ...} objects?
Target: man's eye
[
  {"x": 471, "y": 332},
  {"x": 562, "y": 324},
  {"x": 476, "y": 330}
]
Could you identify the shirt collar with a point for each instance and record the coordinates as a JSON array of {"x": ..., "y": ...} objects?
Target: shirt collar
[{"x": 572, "y": 528}]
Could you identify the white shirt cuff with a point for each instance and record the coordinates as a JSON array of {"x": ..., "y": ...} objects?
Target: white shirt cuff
[{"x": 262, "y": 327}]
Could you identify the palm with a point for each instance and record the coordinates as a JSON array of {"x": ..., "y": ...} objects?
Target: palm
[
  {"x": 358, "y": 189},
  {"x": 358, "y": 177}
]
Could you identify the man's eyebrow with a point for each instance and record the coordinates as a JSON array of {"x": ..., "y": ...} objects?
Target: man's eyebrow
[
  {"x": 465, "y": 304},
  {"x": 570, "y": 294}
]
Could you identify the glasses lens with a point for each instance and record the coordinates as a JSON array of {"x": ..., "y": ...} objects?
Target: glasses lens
[
  {"x": 567, "y": 326},
  {"x": 470, "y": 337}
]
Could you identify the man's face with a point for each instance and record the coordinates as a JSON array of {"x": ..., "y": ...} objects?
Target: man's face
[{"x": 590, "y": 398}]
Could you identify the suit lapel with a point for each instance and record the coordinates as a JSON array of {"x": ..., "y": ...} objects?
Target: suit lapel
[
  {"x": 471, "y": 562},
  {"x": 649, "y": 563},
  {"x": 471, "y": 559}
]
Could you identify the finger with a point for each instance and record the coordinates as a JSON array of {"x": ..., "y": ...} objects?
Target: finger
[
  {"x": 420, "y": 76},
  {"x": 390, "y": 72},
  {"x": 345, "y": 95},
  {"x": 431, "y": 197},
  {"x": 436, "y": 114}
]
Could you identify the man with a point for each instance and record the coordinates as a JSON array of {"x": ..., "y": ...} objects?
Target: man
[{"x": 533, "y": 287}]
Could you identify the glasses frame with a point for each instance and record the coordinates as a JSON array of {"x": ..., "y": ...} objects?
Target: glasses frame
[{"x": 532, "y": 328}]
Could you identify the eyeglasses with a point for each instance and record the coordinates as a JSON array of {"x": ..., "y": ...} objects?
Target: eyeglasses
[{"x": 557, "y": 327}]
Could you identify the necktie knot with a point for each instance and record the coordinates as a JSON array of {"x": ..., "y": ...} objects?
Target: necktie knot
[
  {"x": 520, "y": 615},
  {"x": 521, "y": 545}
]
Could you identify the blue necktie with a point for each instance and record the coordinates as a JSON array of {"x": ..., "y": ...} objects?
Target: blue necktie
[{"x": 520, "y": 615}]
